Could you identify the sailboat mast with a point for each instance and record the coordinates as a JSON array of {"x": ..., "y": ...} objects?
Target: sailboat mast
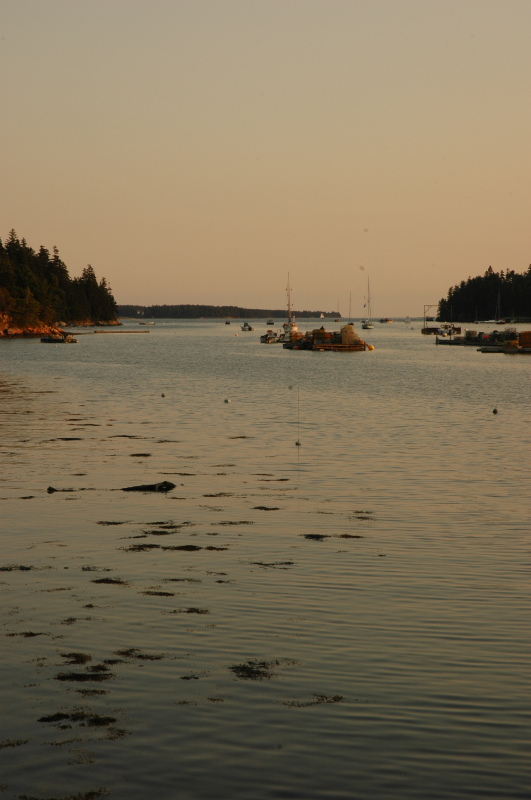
[
  {"x": 350, "y": 306},
  {"x": 289, "y": 300}
]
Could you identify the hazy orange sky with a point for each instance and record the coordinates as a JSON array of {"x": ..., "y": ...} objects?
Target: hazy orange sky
[{"x": 195, "y": 151}]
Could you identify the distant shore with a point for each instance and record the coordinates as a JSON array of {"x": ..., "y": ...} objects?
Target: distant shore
[{"x": 214, "y": 312}]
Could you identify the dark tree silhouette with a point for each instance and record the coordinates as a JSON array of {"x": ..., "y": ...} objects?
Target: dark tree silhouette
[
  {"x": 502, "y": 293},
  {"x": 36, "y": 287}
]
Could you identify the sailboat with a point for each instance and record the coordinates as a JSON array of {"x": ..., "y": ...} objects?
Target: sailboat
[
  {"x": 497, "y": 316},
  {"x": 366, "y": 324}
]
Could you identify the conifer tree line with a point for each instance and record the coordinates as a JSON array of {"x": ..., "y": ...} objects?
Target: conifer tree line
[
  {"x": 203, "y": 311},
  {"x": 494, "y": 294},
  {"x": 36, "y": 287}
]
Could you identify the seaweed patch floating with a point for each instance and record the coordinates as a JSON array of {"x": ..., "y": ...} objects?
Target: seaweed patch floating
[
  {"x": 12, "y": 743},
  {"x": 76, "y": 658},
  {"x": 91, "y": 676},
  {"x": 93, "y": 720},
  {"x": 20, "y": 568},
  {"x": 136, "y": 652},
  {"x": 189, "y": 610},
  {"x": 318, "y": 700},
  {"x": 258, "y": 670}
]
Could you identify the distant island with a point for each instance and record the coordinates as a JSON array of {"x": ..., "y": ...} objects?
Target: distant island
[
  {"x": 490, "y": 296},
  {"x": 38, "y": 296},
  {"x": 216, "y": 312}
]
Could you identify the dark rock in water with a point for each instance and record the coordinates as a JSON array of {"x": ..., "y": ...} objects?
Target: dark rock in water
[{"x": 163, "y": 486}]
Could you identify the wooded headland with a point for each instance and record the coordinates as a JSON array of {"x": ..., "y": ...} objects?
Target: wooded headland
[
  {"x": 494, "y": 295},
  {"x": 198, "y": 312},
  {"x": 37, "y": 293}
]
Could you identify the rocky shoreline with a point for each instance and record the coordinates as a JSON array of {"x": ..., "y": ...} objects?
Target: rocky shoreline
[{"x": 10, "y": 330}]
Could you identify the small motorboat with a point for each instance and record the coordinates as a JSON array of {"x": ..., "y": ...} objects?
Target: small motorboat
[
  {"x": 227, "y": 322},
  {"x": 270, "y": 321},
  {"x": 247, "y": 327},
  {"x": 272, "y": 337},
  {"x": 65, "y": 339}
]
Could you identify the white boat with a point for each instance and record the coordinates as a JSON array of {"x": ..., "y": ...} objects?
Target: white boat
[
  {"x": 407, "y": 321},
  {"x": 322, "y": 316},
  {"x": 146, "y": 323},
  {"x": 366, "y": 324},
  {"x": 247, "y": 327},
  {"x": 270, "y": 321}
]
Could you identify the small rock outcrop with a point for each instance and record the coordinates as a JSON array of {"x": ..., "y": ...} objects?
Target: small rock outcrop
[{"x": 163, "y": 486}]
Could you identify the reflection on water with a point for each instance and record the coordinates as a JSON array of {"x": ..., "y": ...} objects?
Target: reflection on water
[{"x": 344, "y": 619}]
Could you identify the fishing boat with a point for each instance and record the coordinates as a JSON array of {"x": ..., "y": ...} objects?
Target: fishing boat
[
  {"x": 290, "y": 327},
  {"x": 146, "y": 323},
  {"x": 270, "y": 321},
  {"x": 247, "y": 327},
  {"x": 366, "y": 324},
  {"x": 386, "y": 319},
  {"x": 227, "y": 322},
  {"x": 273, "y": 337}
]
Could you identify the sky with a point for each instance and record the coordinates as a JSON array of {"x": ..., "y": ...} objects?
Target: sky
[{"x": 196, "y": 151}]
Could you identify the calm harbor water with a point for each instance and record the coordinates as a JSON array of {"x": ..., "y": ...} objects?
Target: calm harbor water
[{"x": 344, "y": 619}]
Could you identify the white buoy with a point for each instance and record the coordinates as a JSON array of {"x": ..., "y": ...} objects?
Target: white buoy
[{"x": 227, "y": 401}]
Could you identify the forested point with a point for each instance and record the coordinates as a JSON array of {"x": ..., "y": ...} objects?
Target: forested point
[
  {"x": 494, "y": 295},
  {"x": 35, "y": 288},
  {"x": 197, "y": 312}
]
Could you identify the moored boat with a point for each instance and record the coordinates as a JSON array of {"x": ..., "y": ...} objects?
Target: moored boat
[
  {"x": 247, "y": 327},
  {"x": 366, "y": 324},
  {"x": 273, "y": 337},
  {"x": 65, "y": 338}
]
